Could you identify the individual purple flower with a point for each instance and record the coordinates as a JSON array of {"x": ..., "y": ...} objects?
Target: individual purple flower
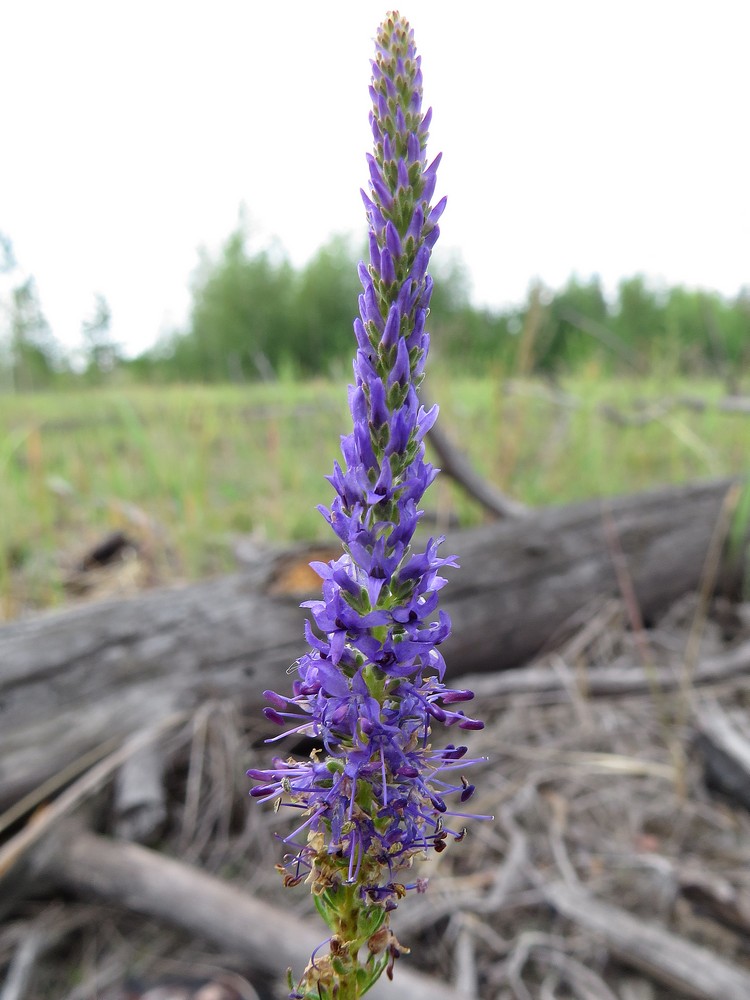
[{"x": 369, "y": 689}]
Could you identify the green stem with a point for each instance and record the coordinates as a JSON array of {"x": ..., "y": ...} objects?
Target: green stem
[{"x": 348, "y": 931}]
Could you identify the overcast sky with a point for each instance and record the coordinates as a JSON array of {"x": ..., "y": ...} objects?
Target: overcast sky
[{"x": 590, "y": 137}]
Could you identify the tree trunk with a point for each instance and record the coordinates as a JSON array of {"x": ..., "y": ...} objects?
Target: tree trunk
[{"x": 76, "y": 678}]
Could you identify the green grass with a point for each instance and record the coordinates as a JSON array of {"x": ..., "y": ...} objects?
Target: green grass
[{"x": 190, "y": 468}]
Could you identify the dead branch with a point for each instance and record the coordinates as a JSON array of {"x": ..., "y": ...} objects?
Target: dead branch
[
  {"x": 604, "y": 335},
  {"x": 677, "y": 963},
  {"x": 454, "y": 463},
  {"x": 37, "y": 937},
  {"x": 140, "y": 806},
  {"x": 726, "y": 753},
  {"x": 643, "y": 412},
  {"x": 659, "y": 409},
  {"x": 602, "y": 681},
  {"x": 18, "y": 846},
  {"x": 22, "y": 967},
  {"x": 716, "y": 895}
]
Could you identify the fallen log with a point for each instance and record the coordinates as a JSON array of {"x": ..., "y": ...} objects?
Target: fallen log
[
  {"x": 71, "y": 680},
  {"x": 142, "y": 880}
]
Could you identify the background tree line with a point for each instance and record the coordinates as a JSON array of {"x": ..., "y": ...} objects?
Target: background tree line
[
  {"x": 256, "y": 316},
  {"x": 31, "y": 357}
]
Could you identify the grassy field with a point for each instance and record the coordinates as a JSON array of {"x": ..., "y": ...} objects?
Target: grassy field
[{"x": 186, "y": 470}]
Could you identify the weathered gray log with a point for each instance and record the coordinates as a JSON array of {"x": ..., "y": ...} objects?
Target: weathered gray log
[
  {"x": 72, "y": 679},
  {"x": 139, "y": 879},
  {"x": 677, "y": 963}
]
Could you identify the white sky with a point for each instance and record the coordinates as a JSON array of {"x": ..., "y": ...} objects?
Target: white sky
[{"x": 603, "y": 136}]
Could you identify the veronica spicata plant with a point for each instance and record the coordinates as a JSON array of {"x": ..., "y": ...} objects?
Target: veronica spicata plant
[{"x": 370, "y": 687}]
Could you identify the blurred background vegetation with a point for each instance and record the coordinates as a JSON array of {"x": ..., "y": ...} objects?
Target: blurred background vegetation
[
  {"x": 255, "y": 316},
  {"x": 226, "y": 428}
]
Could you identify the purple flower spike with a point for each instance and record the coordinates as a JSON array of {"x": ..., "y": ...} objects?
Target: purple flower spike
[{"x": 370, "y": 687}]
